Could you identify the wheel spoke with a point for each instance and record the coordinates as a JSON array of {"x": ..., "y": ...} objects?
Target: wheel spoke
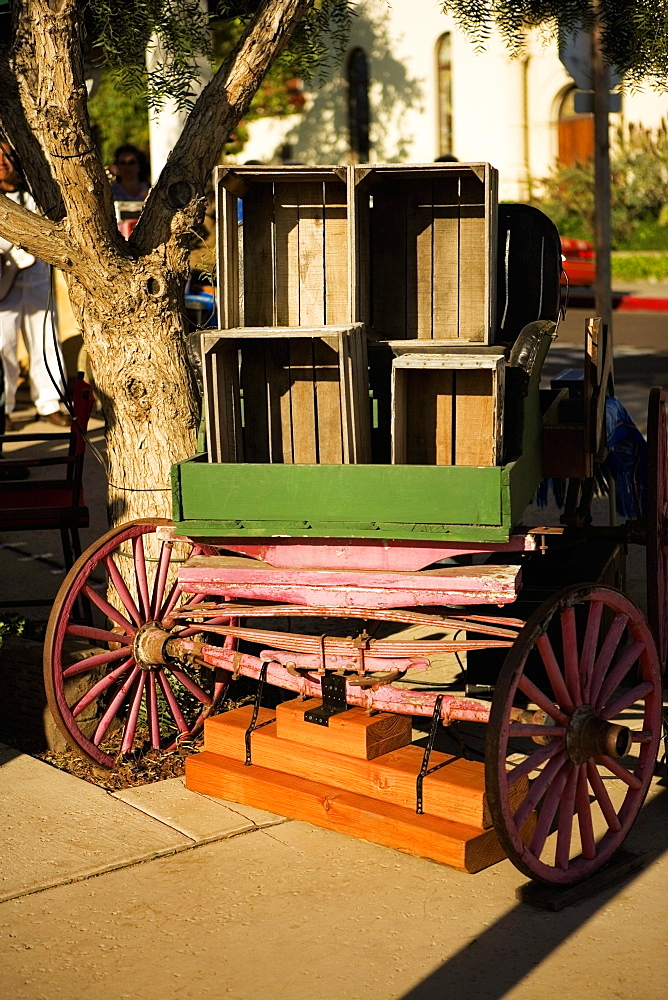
[
  {"x": 608, "y": 650},
  {"x": 83, "y": 666},
  {"x": 122, "y": 590},
  {"x": 98, "y": 634},
  {"x": 107, "y": 609},
  {"x": 617, "y": 675},
  {"x": 632, "y": 780},
  {"x": 642, "y": 736},
  {"x": 554, "y": 674},
  {"x": 533, "y": 762},
  {"x": 133, "y": 715},
  {"x": 520, "y": 730},
  {"x": 565, "y": 822},
  {"x": 102, "y": 685},
  {"x": 140, "y": 575},
  {"x": 589, "y": 647},
  {"x": 161, "y": 572},
  {"x": 191, "y": 685},
  {"x": 569, "y": 640},
  {"x": 114, "y": 706},
  {"x": 548, "y": 810},
  {"x": 625, "y": 700},
  {"x": 585, "y": 822},
  {"x": 177, "y": 714},
  {"x": 535, "y": 695},
  {"x": 602, "y": 797},
  {"x": 152, "y": 712},
  {"x": 538, "y": 789}
]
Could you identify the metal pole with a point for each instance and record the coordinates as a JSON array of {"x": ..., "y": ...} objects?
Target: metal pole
[{"x": 601, "y": 76}]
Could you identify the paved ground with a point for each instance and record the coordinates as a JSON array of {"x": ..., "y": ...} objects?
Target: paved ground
[{"x": 158, "y": 893}]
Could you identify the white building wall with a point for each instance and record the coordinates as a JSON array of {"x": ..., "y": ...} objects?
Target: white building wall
[{"x": 504, "y": 110}]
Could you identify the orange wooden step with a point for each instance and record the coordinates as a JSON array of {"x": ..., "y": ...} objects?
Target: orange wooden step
[
  {"x": 455, "y": 792},
  {"x": 466, "y": 848},
  {"x": 355, "y": 732}
]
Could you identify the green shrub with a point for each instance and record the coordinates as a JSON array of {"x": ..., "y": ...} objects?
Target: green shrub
[
  {"x": 639, "y": 192},
  {"x": 640, "y": 267}
]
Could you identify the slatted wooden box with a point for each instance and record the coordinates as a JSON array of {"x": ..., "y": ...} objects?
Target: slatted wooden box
[
  {"x": 425, "y": 248},
  {"x": 287, "y": 395},
  {"x": 283, "y": 246},
  {"x": 447, "y": 404}
]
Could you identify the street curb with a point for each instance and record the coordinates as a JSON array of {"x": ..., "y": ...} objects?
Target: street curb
[{"x": 634, "y": 303}]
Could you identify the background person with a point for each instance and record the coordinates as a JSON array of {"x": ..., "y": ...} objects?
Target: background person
[
  {"x": 130, "y": 168},
  {"x": 26, "y": 306}
]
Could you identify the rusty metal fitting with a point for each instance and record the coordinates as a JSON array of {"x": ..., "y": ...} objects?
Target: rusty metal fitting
[
  {"x": 149, "y": 646},
  {"x": 590, "y": 736}
]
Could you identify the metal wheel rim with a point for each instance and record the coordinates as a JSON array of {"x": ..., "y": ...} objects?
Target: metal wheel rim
[
  {"x": 575, "y": 779},
  {"x": 143, "y": 690}
]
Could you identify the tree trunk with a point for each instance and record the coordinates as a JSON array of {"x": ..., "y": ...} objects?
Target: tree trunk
[{"x": 136, "y": 346}]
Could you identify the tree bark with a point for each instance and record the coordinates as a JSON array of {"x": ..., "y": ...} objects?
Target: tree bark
[{"x": 126, "y": 296}]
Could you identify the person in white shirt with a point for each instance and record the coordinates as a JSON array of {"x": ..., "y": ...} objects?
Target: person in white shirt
[{"x": 26, "y": 307}]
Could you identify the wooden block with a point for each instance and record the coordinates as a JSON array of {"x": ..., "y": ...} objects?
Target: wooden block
[
  {"x": 354, "y": 732},
  {"x": 455, "y": 792},
  {"x": 463, "y": 847}
]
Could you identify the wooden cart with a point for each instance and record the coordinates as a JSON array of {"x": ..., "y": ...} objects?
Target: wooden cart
[{"x": 375, "y": 432}]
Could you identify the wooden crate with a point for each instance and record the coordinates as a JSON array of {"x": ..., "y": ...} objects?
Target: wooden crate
[
  {"x": 425, "y": 250},
  {"x": 447, "y": 405},
  {"x": 283, "y": 246},
  {"x": 296, "y": 396}
]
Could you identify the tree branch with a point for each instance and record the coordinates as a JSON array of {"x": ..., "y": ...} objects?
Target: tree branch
[
  {"x": 217, "y": 111},
  {"x": 41, "y": 237},
  {"x": 52, "y": 89}
]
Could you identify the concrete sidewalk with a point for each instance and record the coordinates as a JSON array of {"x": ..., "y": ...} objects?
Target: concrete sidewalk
[{"x": 157, "y": 892}]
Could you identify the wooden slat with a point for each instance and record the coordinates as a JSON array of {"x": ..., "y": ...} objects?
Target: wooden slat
[
  {"x": 258, "y": 256},
  {"x": 277, "y": 367},
  {"x": 302, "y": 402},
  {"x": 354, "y": 733},
  {"x": 463, "y": 847},
  {"x": 446, "y": 276},
  {"x": 475, "y": 430},
  {"x": 361, "y": 416},
  {"x": 328, "y": 400},
  {"x": 428, "y": 403},
  {"x": 337, "y": 297},
  {"x": 228, "y": 259},
  {"x": 222, "y": 403},
  {"x": 388, "y": 260},
  {"x": 286, "y": 253},
  {"x": 311, "y": 250},
  {"x": 473, "y": 264},
  {"x": 254, "y": 383},
  {"x": 419, "y": 259}
]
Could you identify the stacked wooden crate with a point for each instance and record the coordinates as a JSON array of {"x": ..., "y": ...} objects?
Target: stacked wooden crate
[{"x": 313, "y": 261}]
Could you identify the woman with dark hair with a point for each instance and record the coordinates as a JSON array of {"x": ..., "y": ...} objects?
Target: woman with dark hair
[{"x": 130, "y": 167}]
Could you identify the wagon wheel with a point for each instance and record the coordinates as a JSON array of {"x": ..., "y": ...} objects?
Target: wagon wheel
[
  {"x": 114, "y": 700},
  {"x": 577, "y": 709},
  {"x": 657, "y": 522}
]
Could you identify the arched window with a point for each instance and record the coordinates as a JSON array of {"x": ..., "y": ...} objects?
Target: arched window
[
  {"x": 358, "y": 105},
  {"x": 576, "y": 132},
  {"x": 444, "y": 80}
]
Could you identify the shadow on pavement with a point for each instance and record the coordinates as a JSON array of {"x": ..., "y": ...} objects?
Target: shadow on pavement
[{"x": 502, "y": 956}]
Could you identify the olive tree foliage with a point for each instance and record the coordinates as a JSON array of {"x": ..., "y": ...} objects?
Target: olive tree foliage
[
  {"x": 128, "y": 295},
  {"x": 634, "y": 33}
]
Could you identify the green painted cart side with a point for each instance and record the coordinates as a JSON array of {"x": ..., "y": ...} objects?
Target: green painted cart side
[{"x": 419, "y": 502}]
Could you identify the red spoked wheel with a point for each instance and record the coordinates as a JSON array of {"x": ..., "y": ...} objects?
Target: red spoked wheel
[
  {"x": 573, "y": 733},
  {"x": 657, "y": 522},
  {"x": 117, "y": 697}
]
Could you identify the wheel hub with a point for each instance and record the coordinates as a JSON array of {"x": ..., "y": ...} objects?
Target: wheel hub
[
  {"x": 590, "y": 736},
  {"x": 149, "y": 646}
]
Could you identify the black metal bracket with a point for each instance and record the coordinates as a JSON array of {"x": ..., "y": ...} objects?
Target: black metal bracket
[
  {"x": 256, "y": 708},
  {"x": 425, "y": 769},
  {"x": 333, "y": 687}
]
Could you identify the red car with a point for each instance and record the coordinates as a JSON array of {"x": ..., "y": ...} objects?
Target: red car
[{"x": 579, "y": 262}]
